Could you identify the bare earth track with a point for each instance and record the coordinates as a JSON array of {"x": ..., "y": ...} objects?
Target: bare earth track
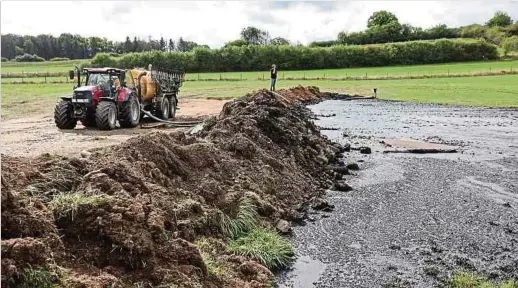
[{"x": 31, "y": 136}]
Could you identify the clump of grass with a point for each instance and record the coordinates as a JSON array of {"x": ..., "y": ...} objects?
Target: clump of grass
[
  {"x": 264, "y": 246},
  {"x": 471, "y": 280},
  {"x": 213, "y": 267},
  {"x": 246, "y": 220},
  {"x": 38, "y": 278},
  {"x": 65, "y": 204}
]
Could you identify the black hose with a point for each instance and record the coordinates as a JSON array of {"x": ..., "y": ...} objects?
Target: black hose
[{"x": 172, "y": 123}]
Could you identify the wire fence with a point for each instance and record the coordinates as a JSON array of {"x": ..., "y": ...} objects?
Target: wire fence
[{"x": 63, "y": 78}]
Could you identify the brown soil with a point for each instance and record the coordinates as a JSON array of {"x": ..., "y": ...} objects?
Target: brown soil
[
  {"x": 161, "y": 192},
  {"x": 34, "y": 135}
]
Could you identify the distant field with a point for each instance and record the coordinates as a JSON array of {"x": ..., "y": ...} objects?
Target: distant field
[
  {"x": 495, "y": 91},
  {"x": 396, "y": 71}
]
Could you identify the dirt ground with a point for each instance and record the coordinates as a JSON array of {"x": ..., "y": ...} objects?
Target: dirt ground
[{"x": 31, "y": 136}]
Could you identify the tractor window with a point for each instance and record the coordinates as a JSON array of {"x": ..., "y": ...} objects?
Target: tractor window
[{"x": 97, "y": 79}]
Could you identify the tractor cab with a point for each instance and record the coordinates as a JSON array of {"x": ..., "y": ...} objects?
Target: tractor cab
[{"x": 105, "y": 80}]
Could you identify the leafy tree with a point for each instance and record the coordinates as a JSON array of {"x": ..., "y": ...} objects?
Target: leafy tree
[
  {"x": 237, "y": 43},
  {"x": 510, "y": 44},
  {"x": 254, "y": 36},
  {"x": 171, "y": 46},
  {"x": 381, "y": 18},
  {"x": 500, "y": 19},
  {"x": 279, "y": 41},
  {"x": 162, "y": 44}
]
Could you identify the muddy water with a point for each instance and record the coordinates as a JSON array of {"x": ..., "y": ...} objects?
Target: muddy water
[{"x": 412, "y": 220}]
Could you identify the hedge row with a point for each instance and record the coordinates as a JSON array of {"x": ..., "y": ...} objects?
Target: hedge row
[{"x": 259, "y": 58}]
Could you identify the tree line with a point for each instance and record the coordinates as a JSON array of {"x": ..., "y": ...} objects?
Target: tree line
[
  {"x": 385, "y": 27},
  {"x": 382, "y": 27},
  {"x": 77, "y": 47},
  {"x": 259, "y": 58}
]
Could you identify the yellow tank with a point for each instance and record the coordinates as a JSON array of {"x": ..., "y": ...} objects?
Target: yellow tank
[{"x": 148, "y": 86}]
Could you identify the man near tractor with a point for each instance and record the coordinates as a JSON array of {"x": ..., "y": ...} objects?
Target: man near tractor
[{"x": 273, "y": 77}]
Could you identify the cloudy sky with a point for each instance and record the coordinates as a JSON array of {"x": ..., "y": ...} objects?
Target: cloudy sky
[{"x": 216, "y": 22}]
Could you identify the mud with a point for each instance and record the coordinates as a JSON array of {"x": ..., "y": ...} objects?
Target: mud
[
  {"x": 131, "y": 213},
  {"x": 37, "y": 134},
  {"x": 411, "y": 220}
]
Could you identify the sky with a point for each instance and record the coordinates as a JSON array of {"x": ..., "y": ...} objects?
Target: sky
[{"x": 216, "y": 22}]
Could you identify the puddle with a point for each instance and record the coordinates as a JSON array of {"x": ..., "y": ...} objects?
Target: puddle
[{"x": 304, "y": 273}]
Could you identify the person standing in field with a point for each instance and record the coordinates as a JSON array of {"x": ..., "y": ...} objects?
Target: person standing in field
[{"x": 273, "y": 77}]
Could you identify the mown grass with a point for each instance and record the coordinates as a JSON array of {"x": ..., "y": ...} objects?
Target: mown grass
[
  {"x": 67, "y": 204},
  {"x": 492, "y": 91},
  {"x": 264, "y": 246},
  {"x": 464, "y": 279}
]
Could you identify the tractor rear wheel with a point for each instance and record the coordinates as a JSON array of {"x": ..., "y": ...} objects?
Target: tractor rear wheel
[
  {"x": 163, "y": 112},
  {"x": 130, "y": 112},
  {"x": 63, "y": 115},
  {"x": 106, "y": 115}
]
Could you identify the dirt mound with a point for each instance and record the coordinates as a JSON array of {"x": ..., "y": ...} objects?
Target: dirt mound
[{"x": 130, "y": 213}]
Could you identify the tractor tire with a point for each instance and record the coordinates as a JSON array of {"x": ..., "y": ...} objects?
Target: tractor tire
[
  {"x": 163, "y": 112},
  {"x": 172, "y": 105},
  {"x": 106, "y": 115},
  {"x": 130, "y": 112},
  {"x": 63, "y": 115},
  {"x": 89, "y": 120}
]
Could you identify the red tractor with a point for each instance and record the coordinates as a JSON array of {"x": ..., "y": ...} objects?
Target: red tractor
[{"x": 111, "y": 94}]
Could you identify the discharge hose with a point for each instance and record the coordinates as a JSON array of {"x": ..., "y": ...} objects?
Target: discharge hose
[{"x": 172, "y": 123}]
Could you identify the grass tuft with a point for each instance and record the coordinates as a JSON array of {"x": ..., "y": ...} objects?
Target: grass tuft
[
  {"x": 65, "y": 204},
  {"x": 38, "y": 278},
  {"x": 246, "y": 220},
  {"x": 472, "y": 280},
  {"x": 264, "y": 246},
  {"x": 213, "y": 267}
]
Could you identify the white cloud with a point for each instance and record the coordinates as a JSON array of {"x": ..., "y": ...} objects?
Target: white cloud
[{"x": 214, "y": 23}]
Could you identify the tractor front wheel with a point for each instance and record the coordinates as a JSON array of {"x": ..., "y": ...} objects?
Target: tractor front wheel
[
  {"x": 63, "y": 115},
  {"x": 130, "y": 112},
  {"x": 106, "y": 115},
  {"x": 89, "y": 120}
]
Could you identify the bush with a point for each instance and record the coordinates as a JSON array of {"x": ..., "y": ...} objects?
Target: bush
[
  {"x": 264, "y": 246},
  {"x": 60, "y": 59},
  {"x": 510, "y": 44},
  {"x": 4, "y": 59},
  {"x": 28, "y": 58},
  {"x": 258, "y": 58}
]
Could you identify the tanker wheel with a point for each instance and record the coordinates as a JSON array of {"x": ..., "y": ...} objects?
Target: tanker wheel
[
  {"x": 172, "y": 110},
  {"x": 130, "y": 112},
  {"x": 165, "y": 108},
  {"x": 106, "y": 115},
  {"x": 63, "y": 115}
]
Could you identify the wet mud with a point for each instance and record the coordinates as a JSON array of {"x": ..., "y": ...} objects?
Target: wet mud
[{"x": 412, "y": 220}]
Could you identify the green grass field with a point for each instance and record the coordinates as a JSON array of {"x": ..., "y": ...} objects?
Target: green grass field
[
  {"x": 493, "y": 91},
  {"x": 443, "y": 69}
]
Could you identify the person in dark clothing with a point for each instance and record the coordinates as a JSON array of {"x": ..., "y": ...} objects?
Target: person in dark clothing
[{"x": 273, "y": 77}]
